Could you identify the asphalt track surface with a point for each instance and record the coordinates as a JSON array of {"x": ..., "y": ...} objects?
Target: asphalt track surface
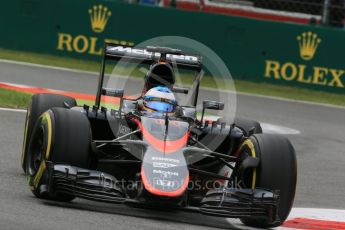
[{"x": 319, "y": 146}]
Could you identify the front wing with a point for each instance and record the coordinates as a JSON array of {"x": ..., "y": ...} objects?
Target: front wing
[{"x": 99, "y": 186}]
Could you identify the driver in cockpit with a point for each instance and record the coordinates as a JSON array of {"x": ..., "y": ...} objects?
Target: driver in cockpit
[
  {"x": 159, "y": 99},
  {"x": 157, "y": 94}
]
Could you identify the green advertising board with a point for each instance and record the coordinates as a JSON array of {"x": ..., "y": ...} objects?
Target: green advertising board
[{"x": 259, "y": 51}]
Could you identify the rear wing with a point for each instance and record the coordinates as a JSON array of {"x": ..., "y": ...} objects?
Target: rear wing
[{"x": 148, "y": 55}]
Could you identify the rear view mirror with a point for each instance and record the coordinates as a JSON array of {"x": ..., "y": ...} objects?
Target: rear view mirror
[
  {"x": 180, "y": 90},
  {"x": 214, "y": 105},
  {"x": 115, "y": 93}
]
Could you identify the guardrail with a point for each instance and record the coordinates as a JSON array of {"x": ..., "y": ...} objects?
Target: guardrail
[{"x": 260, "y": 51}]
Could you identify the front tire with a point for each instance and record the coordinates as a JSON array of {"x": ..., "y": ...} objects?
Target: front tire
[
  {"x": 40, "y": 103},
  {"x": 277, "y": 171},
  {"x": 60, "y": 136}
]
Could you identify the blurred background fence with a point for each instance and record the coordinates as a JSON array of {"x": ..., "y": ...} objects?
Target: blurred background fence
[{"x": 327, "y": 12}]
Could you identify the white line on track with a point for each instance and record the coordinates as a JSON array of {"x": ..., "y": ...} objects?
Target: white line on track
[
  {"x": 206, "y": 88},
  {"x": 13, "y": 110},
  {"x": 320, "y": 214},
  {"x": 277, "y": 129},
  {"x": 303, "y": 214},
  {"x": 266, "y": 127},
  {"x": 47, "y": 66}
]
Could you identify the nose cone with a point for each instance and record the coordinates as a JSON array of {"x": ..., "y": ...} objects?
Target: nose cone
[
  {"x": 164, "y": 170},
  {"x": 164, "y": 174}
]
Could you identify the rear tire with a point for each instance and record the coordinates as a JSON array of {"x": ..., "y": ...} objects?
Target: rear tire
[
  {"x": 60, "y": 136},
  {"x": 277, "y": 171},
  {"x": 39, "y": 104},
  {"x": 246, "y": 125}
]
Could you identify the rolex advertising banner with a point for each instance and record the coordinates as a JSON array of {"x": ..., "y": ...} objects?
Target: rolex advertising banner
[{"x": 260, "y": 51}]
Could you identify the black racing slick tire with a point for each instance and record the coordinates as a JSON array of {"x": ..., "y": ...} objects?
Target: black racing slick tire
[
  {"x": 247, "y": 125},
  {"x": 59, "y": 136},
  {"x": 40, "y": 103},
  {"x": 277, "y": 171}
]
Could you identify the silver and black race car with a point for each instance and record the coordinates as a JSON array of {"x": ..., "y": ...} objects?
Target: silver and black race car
[{"x": 164, "y": 160}]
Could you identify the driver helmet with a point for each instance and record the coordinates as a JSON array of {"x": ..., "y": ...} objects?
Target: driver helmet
[{"x": 159, "y": 99}]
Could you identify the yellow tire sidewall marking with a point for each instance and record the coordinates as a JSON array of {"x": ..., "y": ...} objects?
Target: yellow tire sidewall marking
[
  {"x": 39, "y": 174},
  {"x": 49, "y": 122},
  {"x": 45, "y": 117},
  {"x": 250, "y": 145},
  {"x": 25, "y": 135}
]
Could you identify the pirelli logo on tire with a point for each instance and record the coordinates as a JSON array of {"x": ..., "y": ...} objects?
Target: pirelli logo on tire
[
  {"x": 99, "y": 17},
  {"x": 305, "y": 72}
]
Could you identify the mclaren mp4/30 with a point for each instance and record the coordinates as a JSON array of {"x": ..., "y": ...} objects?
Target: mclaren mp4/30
[{"x": 128, "y": 155}]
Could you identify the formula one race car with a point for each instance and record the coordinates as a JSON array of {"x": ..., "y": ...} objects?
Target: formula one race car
[{"x": 156, "y": 152}]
